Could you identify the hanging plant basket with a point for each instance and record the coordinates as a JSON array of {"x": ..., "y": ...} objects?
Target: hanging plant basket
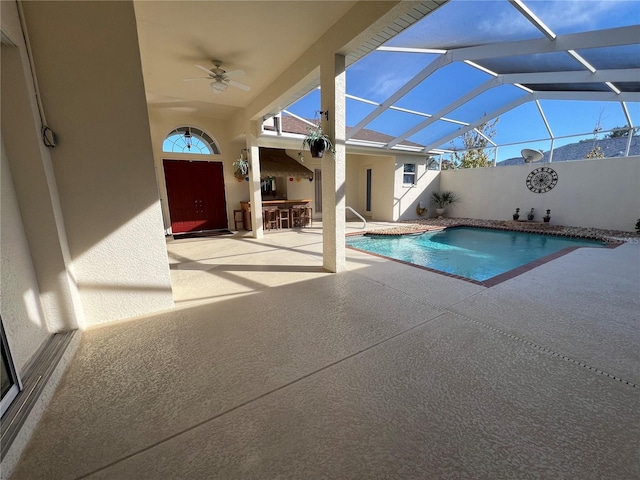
[
  {"x": 240, "y": 168},
  {"x": 317, "y": 148},
  {"x": 317, "y": 142}
]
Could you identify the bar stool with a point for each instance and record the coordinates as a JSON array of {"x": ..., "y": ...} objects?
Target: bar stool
[
  {"x": 284, "y": 215},
  {"x": 307, "y": 216},
  {"x": 301, "y": 215},
  {"x": 237, "y": 220},
  {"x": 297, "y": 215},
  {"x": 270, "y": 218}
]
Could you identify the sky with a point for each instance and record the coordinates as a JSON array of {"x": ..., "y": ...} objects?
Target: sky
[{"x": 462, "y": 23}]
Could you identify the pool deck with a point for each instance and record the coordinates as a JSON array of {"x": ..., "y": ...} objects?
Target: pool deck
[{"x": 270, "y": 367}]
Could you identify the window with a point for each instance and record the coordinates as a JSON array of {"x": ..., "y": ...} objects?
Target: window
[
  {"x": 190, "y": 140},
  {"x": 409, "y": 175}
]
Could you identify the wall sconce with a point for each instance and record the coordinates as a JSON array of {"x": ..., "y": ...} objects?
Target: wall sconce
[{"x": 325, "y": 113}]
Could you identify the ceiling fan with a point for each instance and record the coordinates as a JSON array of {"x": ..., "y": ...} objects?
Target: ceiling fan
[{"x": 221, "y": 79}]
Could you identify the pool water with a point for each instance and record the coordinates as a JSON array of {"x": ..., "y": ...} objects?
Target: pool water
[{"x": 470, "y": 252}]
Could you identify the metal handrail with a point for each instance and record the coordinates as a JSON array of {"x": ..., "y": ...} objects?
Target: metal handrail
[{"x": 359, "y": 216}]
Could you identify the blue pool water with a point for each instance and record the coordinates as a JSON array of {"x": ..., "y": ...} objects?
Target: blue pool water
[{"x": 476, "y": 253}]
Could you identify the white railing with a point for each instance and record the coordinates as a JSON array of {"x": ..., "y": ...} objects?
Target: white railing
[{"x": 364, "y": 225}]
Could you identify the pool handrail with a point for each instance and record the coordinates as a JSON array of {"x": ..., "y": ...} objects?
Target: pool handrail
[{"x": 364, "y": 225}]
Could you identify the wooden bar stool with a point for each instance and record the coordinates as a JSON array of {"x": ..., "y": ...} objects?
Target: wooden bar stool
[
  {"x": 297, "y": 215},
  {"x": 302, "y": 215},
  {"x": 270, "y": 218},
  {"x": 284, "y": 215},
  {"x": 236, "y": 220}
]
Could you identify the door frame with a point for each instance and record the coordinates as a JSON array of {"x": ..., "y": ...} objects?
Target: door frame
[{"x": 16, "y": 383}]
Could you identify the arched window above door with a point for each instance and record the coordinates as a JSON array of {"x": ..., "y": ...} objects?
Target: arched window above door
[{"x": 190, "y": 140}]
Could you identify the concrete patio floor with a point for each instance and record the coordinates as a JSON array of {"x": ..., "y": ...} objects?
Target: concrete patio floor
[{"x": 269, "y": 368}]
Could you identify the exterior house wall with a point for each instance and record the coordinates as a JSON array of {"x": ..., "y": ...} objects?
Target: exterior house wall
[
  {"x": 590, "y": 193},
  {"x": 36, "y": 192},
  {"x": 93, "y": 95},
  {"x": 20, "y": 306},
  {"x": 304, "y": 188},
  {"x": 162, "y": 122},
  {"x": 381, "y": 186},
  {"x": 407, "y": 198}
]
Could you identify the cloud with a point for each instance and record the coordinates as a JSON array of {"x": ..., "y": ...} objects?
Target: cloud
[
  {"x": 386, "y": 84},
  {"x": 561, "y": 15},
  {"x": 572, "y": 13}
]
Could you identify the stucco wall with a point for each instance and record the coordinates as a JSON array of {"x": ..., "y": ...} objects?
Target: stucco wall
[
  {"x": 407, "y": 198},
  {"x": 94, "y": 98},
  {"x": 20, "y": 306},
  {"x": 304, "y": 188},
  {"x": 163, "y": 121},
  {"x": 382, "y": 174},
  {"x": 590, "y": 193},
  {"x": 34, "y": 182}
]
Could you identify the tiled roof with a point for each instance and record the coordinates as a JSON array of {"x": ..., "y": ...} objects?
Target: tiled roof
[{"x": 294, "y": 125}]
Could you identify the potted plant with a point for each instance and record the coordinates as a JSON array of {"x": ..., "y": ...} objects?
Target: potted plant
[
  {"x": 442, "y": 199},
  {"x": 317, "y": 142},
  {"x": 240, "y": 168},
  {"x": 547, "y": 217},
  {"x": 516, "y": 215}
]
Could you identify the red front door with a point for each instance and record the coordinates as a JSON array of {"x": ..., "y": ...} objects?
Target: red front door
[{"x": 196, "y": 196}]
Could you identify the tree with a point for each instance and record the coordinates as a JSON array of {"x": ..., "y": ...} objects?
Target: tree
[
  {"x": 619, "y": 132},
  {"x": 475, "y": 142}
]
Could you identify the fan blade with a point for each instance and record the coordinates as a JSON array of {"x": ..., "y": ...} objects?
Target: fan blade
[
  {"x": 239, "y": 85},
  {"x": 195, "y": 78},
  {"x": 204, "y": 69},
  {"x": 235, "y": 74}
]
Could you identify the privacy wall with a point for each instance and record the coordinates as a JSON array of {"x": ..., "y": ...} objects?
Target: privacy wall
[{"x": 600, "y": 193}]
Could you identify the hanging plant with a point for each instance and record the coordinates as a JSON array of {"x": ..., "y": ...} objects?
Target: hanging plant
[
  {"x": 240, "y": 167},
  {"x": 317, "y": 142}
]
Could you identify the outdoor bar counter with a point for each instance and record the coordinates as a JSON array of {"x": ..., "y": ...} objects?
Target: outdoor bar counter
[{"x": 285, "y": 203}]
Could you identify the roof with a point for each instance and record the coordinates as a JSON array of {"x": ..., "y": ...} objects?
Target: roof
[
  {"x": 295, "y": 125},
  {"x": 275, "y": 162}
]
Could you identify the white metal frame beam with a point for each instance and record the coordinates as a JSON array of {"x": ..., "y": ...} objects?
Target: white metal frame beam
[
  {"x": 590, "y": 96},
  {"x": 564, "y": 43}
]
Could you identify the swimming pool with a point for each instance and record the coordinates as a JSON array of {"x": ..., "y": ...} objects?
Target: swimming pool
[{"x": 474, "y": 253}]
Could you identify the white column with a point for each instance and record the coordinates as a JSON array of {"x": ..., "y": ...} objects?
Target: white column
[
  {"x": 333, "y": 89},
  {"x": 255, "y": 195}
]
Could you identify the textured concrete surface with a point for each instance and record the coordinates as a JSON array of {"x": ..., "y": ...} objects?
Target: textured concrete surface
[{"x": 271, "y": 368}]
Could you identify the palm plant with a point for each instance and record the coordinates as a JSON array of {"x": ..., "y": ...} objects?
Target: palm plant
[{"x": 442, "y": 199}]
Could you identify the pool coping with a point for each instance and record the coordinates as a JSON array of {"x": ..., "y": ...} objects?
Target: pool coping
[{"x": 493, "y": 281}]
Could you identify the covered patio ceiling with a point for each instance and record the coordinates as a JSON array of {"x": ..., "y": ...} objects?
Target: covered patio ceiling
[{"x": 547, "y": 69}]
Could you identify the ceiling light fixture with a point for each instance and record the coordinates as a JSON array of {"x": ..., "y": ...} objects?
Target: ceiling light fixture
[
  {"x": 188, "y": 138},
  {"x": 218, "y": 86}
]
